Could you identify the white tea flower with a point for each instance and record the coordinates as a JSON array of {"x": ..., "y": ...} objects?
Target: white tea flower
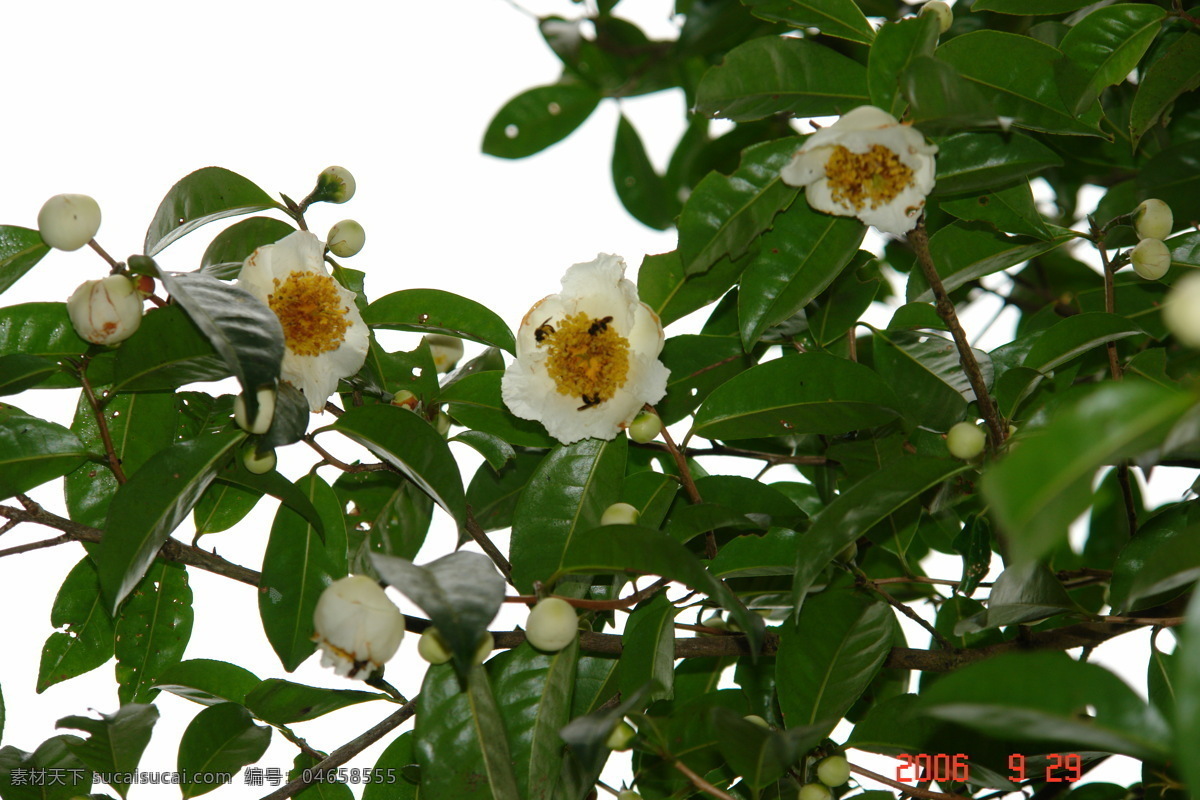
[{"x": 357, "y": 627}]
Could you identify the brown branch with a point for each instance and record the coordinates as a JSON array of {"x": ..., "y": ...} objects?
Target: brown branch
[
  {"x": 861, "y": 578},
  {"x": 725, "y": 450},
  {"x": 114, "y": 463},
  {"x": 699, "y": 782},
  {"x": 919, "y": 239},
  {"x": 599, "y": 605},
  {"x": 346, "y": 751},
  {"x": 488, "y": 546},
  {"x": 112, "y": 262},
  {"x": 689, "y": 484},
  {"x": 333, "y": 461},
  {"x": 915, "y": 791},
  {"x": 25, "y": 548}
]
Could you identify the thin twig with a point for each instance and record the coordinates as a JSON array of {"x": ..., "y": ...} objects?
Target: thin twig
[
  {"x": 485, "y": 543},
  {"x": 738, "y": 452},
  {"x": 114, "y": 462},
  {"x": 915, "y": 791},
  {"x": 920, "y": 579},
  {"x": 599, "y": 605},
  {"x": 112, "y": 262},
  {"x": 333, "y": 461},
  {"x": 903, "y": 609},
  {"x": 26, "y": 548},
  {"x": 699, "y": 782},
  {"x": 689, "y": 484}
]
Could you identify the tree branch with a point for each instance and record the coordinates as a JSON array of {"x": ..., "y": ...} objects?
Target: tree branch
[
  {"x": 689, "y": 485},
  {"x": 114, "y": 463},
  {"x": 915, "y": 791},
  {"x": 488, "y": 546}
]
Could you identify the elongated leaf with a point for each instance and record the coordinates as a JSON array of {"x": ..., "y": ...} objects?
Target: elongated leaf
[
  {"x": 975, "y": 161},
  {"x": 698, "y": 364},
  {"x": 222, "y": 506},
  {"x": 724, "y": 214},
  {"x": 84, "y": 635},
  {"x": 797, "y": 259},
  {"x": 475, "y": 401},
  {"x": 648, "y": 650},
  {"x": 895, "y": 46},
  {"x": 115, "y": 742},
  {"x": 153, "y": 630},
  {"x": 20, "y": 250},
  {"x": 808, "y": 393},
  {"x": 151, "y": 504},
  {"x": 207, "y": 681},
  {"x": 671, "y": 293},
  {"x": 1158, "y": 562},
  {"x": 1104, "y": 47},
  {"x": 203, "y": 196},
  {"x": 941, "y": 100},
  {"x": 52, "y": 757},
  {"x": 435, "y": 311},
  {"x": 386, "y": 513},
  {"x": 1027, "y": 7},
  {"x": 296, "y": 568},
  {"x": 398, "y": 761},
  {"x": 1176, "y": 73},
  {"x": 1023, "y": 593},
  {"x": 1076, "y": 335},
  {"x": 927, "y": 375},
  {"x": 1186, "y": 680},
  {"x": 221, "y": 738},
  {"x": 537, "y": 118},
  {"x": 224, "y": 255},
  {"x": 564, "y": 500},
  {"x": 495, "y": 451},
  {"x": 642, "y": 191},
  {"x": 493, "y": 496},
  {"x": 1043, "y": 485},
  {"x": 19, "y": 372},
  {"x": 283, "y": 702},
  {"x": 412, "y": 445},
  {"x": 460, "y": 593},
  {"x": 773, "y": 75},
  {"x": 167, "y": 351},
  {"x": 40, "y": 329},
  {"x": 840, "y": 18},
  {"x": 1010, "y": 209},
  {"x": 753, "y": 556},
  {"x": 33, "y": 451}
]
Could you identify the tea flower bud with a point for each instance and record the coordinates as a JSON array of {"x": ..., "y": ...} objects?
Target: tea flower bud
[
  {"x": 646, "y": 427},
  {"x": 1181, "y": 310},
  {"x": 757, "y": 720},
  {"x": 346, "y": 238},
  {"x": 1151, "y": 258},
  {"x": 334, "y": 185},
  {"x": 446, "y": 351},
  {"x": 552, "y": 625},
  {"x": 69, "y": 221},
  {"x": 1153, "y": 219},
  {"x": 105, "y": 311},
  {"x": 628, "y": 794},
  {"x": 945, "y": 16},
  {"x": 433, "y": 648},
  {"x": 965, "y": 440},
  {"x": 258, "y": 463},
  {"x": 357, "y": 627},
  {"x": 262, "y": 420},
  {"x": 619, "y": 514},
  {"x": 621, "y": 736},
  {"x": 833, "y": 771},
  {"x": 405, "y": 399},
  {"x": 814, "y": 791}
]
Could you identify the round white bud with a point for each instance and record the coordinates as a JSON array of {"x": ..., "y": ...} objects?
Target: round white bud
[
  {"x": 446, "y": 351},
  {"x": 1181, "y": 309},
  {"x": 258, "y": 464},
  {"x": 69, "y": 221},
  {"x": 833, "y": 771},
  {"x": 346, "y": 238},
  {"x": 266, "y": 412},
  {"x": 619, "y": 514},
  {"x": 1153, "y": 219},
  {"x": 965, "y": 440},
  {"x": 1151, "y": 258},
  {"x": 357, "y": 627},
  {"x": 335, "y": 185},
  {"x": 552, "y": 625},
  {"x": 105, "y": 311},
  {"x": 945, "y": 16}
]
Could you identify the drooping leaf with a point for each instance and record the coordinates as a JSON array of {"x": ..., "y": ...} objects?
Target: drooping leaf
[
  {"x": 648, "y": 650},
  {"x": 84, "y": 635},
  {"x": 221, "y": 738},
  {"x": 840, "y": 18},
  {"x": 1176, "y": 73},
  {"x": 153, "y": 630},
  {"x": 115, "y": 742},
  {"x": 204, "y": 196},
  {"x": 20, "y": 250},
  {"x": 1103, "y": 48},
  {"x": 435, "y": 311},
  {"x": 644, "y": 193},
  {"x": 283, "y": 702},
  {"x": 34, "y": 451},
  {"x": 537, "y": 118},
  {"x": 207, "y": 681}
]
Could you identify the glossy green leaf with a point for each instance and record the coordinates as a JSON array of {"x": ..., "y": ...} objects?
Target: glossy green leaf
[
  {"x": 493, "y": 495},
  {"x": 754, "y": 556},
  {"x": 1011, "y": 210},
  {"x": 1186, "y": 680},
  {"x": 115, "y": 742},
  {"x": 648, "y": 650},
  {"x": 19, "y": 372},
  {"x": 807, "y": 393},
  {"x": 912, "y": 316},
  {"x": 207, "y": 681},
  {"x": 153, "y": 630},
  {"x": 475, "y": 401},
  {"x": 537, "y": 118},
  {"x": 698, "y": 364},
  {"x": 155, "y": 500},
  {"x": 829, "y": 656},
  {"x": 969, "y": 162},
  {"x": 1076, "y": 335},
  {"x": 838, "y": 18},
  {"x": 83, "y": 636},
  {"x": 290, "y": 494},
  {"x": 861, "y": 507},
  {"x": 385, "y": 513},
  {"x": 941, "y": 99},
  {"x": 166, "y": 352},
  {"x": 564, "y": 500},
  {"x": 1039, "y": 488},
  {"x": 724, "y": 214},
  {"x": 774, "y": 75},
  {"x": 1173, "y": 176},
  {"x": 282, "y": 702},
  {"x": 895, "y": 46},
  {"x": 1162, "y": 558},
  {"x": 459, "y": 593},
  {"x": 40, "y": 329},
  {"x": 1023, "y": 593},
  {"x": 296, "y": 568},
  {"x": 34, "y": 451},
  {"x": 1038, "y": 696},
  {"x": 435, "y": 311},
  {"x": 20, "y": 250},
  {"x": 52, "y": 754},
  {"x": 221, "y": 738},
  {"x": 224, "y": 255},
  {"x": 671, "y": 293},
  {"x": 222, "y": 506},
  {"x": 204, "y": 196},
  {"x": 644, "y": 193},
  {"x": 798, "y": 258},
  {"x": 1103, "y": 48},
  {"x": 1173, "y": 75},
  {"x": 397, "y": 761},
  {"x": 1029, "y": 95},
  {"x": 494, "y": 450},
  {"x": 391, "y": 373},
  {"x": 1027, "y": 7},
  {"x": 761, "y": 755},
  {"x": 411, "y": 445},
  {"x": 928, "y": 376}
]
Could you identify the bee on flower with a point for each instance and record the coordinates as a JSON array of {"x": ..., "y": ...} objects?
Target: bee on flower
[
  {"x": 587, "y": 357},
  {"x": 866, "y": 165}
]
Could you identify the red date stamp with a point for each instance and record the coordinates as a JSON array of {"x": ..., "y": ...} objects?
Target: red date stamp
[{"x": 950, "y": 768}]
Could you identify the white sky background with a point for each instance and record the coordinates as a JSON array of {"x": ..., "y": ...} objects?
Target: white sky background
[{"x": 121, "y": 100}]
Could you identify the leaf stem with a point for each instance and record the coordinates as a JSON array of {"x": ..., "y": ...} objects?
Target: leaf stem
[
  {"x": 689, "y": 484},
  {"x": 861, "y": 578},
  {"x": 699, "y": 782},
  {"x": 114, "y": 463},
  {"x": 112, "y": 262},
  {"x": 479, "y": 535},
  {"x": 333, "y": 461}
]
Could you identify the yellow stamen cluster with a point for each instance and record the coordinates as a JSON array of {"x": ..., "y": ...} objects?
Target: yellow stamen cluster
[
  {"x": 874, "y": 177},
  {"x": 586, "y": 358},
  {"x": 311, "y": 312}
]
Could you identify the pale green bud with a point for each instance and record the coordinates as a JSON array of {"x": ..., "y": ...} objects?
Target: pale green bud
[
  {"x": 346, "y": 238},
  {"x": 262, "y": 420},
  {"x": 965, "y": 440},
  {"x": 552, "y": 625},
  {"x": 1151, "y": 259},
  {"x": 619, "y": 514},
  {"x": 945, "y": 16},
  {"x": 646, "y": 427},
  {"x": 833, "y": 771},
  {"x": 1153, "y": 219},
  {"x": 69, "y": 221},
  {"x": 334, "y": 185}
]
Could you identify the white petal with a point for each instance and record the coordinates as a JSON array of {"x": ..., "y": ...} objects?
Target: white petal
[
  {"x": 806, "y": 166},
  {"x": 820, "y": 197},
  {"x": 646, "y": 334}
]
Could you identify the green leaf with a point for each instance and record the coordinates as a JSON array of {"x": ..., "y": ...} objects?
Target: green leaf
[
  {"x": 839, "y": 18},
  {"x": 941, "y": 99},
  {"x": 435, "y": 311},
  {"x": 724, "y": 214},
  {"x": 761, "y": 755},
  {"x": 386, "y": 513},
  {"x": 296, "y": 568},
  {"x": 116, "y": 741},
  {"x": 861, "y": 507},
  {"x": 494, "y": 450},
  {"x": 1168, "y": 78},
  {"x": 52, "y": 756},
  {"x": 1039, "y": 488},
  {"x": 797, "y": 259},
  {"x": 282, "y": 702},
  {"x": 644, "y": 193},
  {"x": 167, "y": 351},
  {"x": 1162, "y": 558},
  {"x": 207, "y": 681},
  {"x": 221, "y": 738},
  {"x": 971, "y": 162},
  {"x": 928, "y": 376},
  {"x": 397, "y": 760},
  {"x": 672, "y": 293},
  {"x": 1173, "y": 176},
  {"x": 1029, "y": 7},
  {"x": 20, "y": 249},
  {"x": 222, "y": 506},
  {"x": 410, "y": 444},
  {"x": 475, "y": 401},
  {"x": 806, "y": 393},
  {"x": 1186, "y": 680},
  {"x": 648, "y": 650},
  {"x": 19, "y": 372},
  {"x": 41, "y": 329},
  {"x": 279, "y": 487},
  {"x": 773, "y": 75},
  {"x": 1076, "y": 335},
  {"x": 34, "y": 451},
  {"x": 1103, "y": 48},
  {"x": 1042, "y": 696},
  {"x": 155, "y": 500},
  {"x": 1029, "y": 95},
  {"x": 537, "y": 118},
  {"x": 460, "y": 593},
  {"x": 153, "y": 630},
  {"x": 224, "y": 255},
  {"x": 895, "y": 46},
  {"x": 493, "y": 496},
  {"x": 698, "y": 364},
  {"x": 754, "y": 556},
  {"x": 204, "y": 196},
  {"x": 1023, "y": 593},
  {"x": 84, "y": 635},
  {"x": 1010, "y": 209}
]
